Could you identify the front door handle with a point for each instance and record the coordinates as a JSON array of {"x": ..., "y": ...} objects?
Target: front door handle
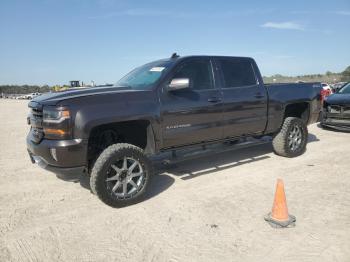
[{"x": 214, "y": 100}]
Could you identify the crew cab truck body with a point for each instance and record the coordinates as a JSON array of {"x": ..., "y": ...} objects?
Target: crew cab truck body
[{"x": 110, "y": 132}]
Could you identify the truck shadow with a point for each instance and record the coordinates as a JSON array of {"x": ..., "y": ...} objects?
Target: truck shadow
[
  {"x": 312, "y": 138},
  {"x": 189, "y": 169},
  {"x": 159, "y": 183}
]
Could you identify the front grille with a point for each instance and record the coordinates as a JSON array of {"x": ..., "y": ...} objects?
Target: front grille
[
  {"x": 37, "y": 112},
  {"x": 36, "y": 122},
  {"x": 337, "y": 109},
  {"x": 346, "y": 110}
]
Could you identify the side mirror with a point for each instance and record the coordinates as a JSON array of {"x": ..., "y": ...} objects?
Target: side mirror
[{"x": 179, "y": 83}]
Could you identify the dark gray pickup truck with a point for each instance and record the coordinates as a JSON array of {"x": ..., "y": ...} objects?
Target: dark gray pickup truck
[{"x": 166, "y": 105}]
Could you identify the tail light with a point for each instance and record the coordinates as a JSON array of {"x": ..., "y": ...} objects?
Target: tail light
[{"x": 324, "y": 94}]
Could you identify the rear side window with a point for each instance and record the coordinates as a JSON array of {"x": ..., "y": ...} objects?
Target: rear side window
[
  {"x": 237, "y": 72},
  {"x": 199, "y": 72}
]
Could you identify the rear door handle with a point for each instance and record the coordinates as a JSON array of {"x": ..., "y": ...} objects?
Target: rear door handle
[
  {"x": 214, "y": 100},
  {"x": 259, "y": 95}
]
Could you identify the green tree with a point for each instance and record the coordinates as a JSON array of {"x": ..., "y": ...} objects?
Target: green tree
[{"x": 346, "y": 75}]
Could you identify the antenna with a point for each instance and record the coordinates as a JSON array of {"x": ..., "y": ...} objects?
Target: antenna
[{"x": 175, "y": 55}]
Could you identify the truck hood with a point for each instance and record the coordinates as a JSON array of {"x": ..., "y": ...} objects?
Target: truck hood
[
  {"x": 56, "y": 97},
  {"x": 338, "y": 99}
]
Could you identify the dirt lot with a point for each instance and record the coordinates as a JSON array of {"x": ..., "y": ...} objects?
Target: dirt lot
[{"x": 209, "y": 209}]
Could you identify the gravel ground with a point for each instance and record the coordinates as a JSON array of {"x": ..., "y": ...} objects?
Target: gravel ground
[{"x": 209, "y": 209}]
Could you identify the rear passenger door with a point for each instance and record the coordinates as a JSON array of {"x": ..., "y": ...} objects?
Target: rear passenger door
[
  {"x": 191, "y": 115},
  {"x": 244, "y": 100}
]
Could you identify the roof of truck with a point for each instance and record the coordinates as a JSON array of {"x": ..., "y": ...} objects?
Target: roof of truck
[
  {"x": 210, "y": 56},
  {"x": 179, "y": 58}
]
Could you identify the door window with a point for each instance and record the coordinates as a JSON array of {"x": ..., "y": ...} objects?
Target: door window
[
  {"x": 237, "y": 72},
  {"x": 199, "y": 72}
]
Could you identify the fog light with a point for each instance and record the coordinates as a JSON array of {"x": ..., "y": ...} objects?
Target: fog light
[{"x": 53, "y": 153}]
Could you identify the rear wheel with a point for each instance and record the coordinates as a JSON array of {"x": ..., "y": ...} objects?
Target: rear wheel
[
  {"x": 121, "y": 175},
  {"x": 291, "y": 140}
]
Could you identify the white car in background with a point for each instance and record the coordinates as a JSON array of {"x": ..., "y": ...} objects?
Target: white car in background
[
  {"x": 31, "y": 96},
  {"x": 326, "y": 86},
  {"x": 326, "y": 91},
  {"x": 28, "y": 96}
]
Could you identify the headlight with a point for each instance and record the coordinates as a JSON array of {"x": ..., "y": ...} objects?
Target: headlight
[
  {"x": 334, "y": 109},
  {"x": 56, "y": 123},
  {"x": 55, "y": 114}
]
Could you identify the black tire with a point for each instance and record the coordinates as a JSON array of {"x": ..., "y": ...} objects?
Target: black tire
[
  {"x": 322, "y": 126},
  {"x": 321, "y": 118},
  {"x": 103, "y": 170},
  {"x": 281, "y": 141}
]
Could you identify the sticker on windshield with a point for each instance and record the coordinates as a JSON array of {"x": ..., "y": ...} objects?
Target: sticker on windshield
[{"x": 157, "y": 69}]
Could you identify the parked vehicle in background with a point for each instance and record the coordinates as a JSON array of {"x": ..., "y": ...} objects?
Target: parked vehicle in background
[
  {"x": 336, "y": 109},
  {"x": 164, "y": 106},
  {"x": 327, "y": 88},
  {"x": 337, "y": 86},
  {"x": 33, "y": 95},
  {"x": 28, "y": 96},
  {"x": 326, "y": 91},
  {"x": 21, "y": 97}
]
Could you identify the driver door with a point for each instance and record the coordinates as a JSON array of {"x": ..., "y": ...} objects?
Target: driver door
[{"x": 194, "y": 114}]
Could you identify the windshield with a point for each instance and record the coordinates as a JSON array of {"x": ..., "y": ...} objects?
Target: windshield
[
  {"x": 144, "y": 77},
  {"x": 345, "y": 89}
]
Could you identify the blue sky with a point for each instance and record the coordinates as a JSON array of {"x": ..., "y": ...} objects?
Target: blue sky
[{"x": 54, "y": 41}]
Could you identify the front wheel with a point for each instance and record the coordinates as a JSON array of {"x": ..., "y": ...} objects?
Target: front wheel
[
  {"x": 121, "y": 175},
  {"x": 291, "y": 140}
]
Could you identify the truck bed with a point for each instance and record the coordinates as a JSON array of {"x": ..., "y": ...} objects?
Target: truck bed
[{"x": 280, "y": 95}]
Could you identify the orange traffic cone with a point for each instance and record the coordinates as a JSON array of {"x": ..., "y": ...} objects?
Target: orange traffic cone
[{"x": 279, "y": 216}]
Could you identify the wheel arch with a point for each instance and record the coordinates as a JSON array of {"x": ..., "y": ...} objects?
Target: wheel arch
[
  {"x": 136, "y": 132},
  {"x": 300, "y": 109}
]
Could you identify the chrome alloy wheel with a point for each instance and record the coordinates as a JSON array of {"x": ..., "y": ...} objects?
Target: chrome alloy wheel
[
  {"x": 295, "y": 138},
  {"x": 125, "y": 178}
]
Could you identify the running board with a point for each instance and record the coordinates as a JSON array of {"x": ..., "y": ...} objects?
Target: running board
[{"x": 175, "y": 156}]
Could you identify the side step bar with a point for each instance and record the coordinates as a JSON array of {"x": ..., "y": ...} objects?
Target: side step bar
[{"x": 175, "y": 156}]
